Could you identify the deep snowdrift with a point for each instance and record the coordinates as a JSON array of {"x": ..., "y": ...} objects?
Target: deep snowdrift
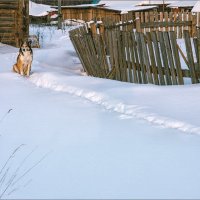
[{"x": 73, "y": 136}]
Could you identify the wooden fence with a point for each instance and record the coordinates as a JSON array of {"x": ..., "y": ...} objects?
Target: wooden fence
[
  {"x": 14, "y": 21},
  {"x": 166, "y": 21},
  {"x": 142, "y": 21},
  {"x": 152, "y": 57}
]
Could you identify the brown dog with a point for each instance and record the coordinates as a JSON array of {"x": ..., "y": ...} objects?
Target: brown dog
[{"x": 24, "y": 59}]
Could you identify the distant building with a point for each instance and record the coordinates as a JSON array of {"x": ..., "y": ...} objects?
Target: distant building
[{"x": 65, "y": 2}]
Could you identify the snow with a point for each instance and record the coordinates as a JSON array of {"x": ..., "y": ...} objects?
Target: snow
[
  {"x": 123, "y": 6},
  {"x": 54, "y": 16},
  {"x": 65, "y": 135},
  {"x": 82, "y": 5},
  {"x": 139, "y": 8},
  {"x": 181, "y": 4},
  {"x": 157, "y": 2},
  {"x": 39, "y": 9},
  {"x": 196, "y": 7}
]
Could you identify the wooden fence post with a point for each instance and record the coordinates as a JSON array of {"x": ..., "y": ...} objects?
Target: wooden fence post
[{"x": 137, "y": 21}]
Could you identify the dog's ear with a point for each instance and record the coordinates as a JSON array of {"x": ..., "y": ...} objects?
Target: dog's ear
[
  {"x": 29, "y": 43},
  {"x": 20, "y": 43}
]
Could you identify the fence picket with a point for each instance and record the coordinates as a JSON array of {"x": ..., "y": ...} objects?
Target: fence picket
[
  {"x": 127, "y": 55},
  {"x": 158, "y": 57},
  {"x": 170, "y": 57},
  {"x": 141, "y": 57},
  {"x": 152, "y": 58},
  {"x": 190, "y": 56},
  {"x": 146, "y": 58},
  {"x": 136, "y": 57},
  {"x": 132, "y": 58},
  {"x": 176, "y": 57},
  {"x": 164, "y": 58}
]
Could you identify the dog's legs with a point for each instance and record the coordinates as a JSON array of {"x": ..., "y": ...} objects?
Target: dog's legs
[
  {"x": 21, "y": 70},
  {"x": 28, "y": 69}
]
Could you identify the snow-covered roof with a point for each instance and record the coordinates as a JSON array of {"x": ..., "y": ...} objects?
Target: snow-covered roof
[
  {"x": 196, "y": 7},
  {"x": 178, "y": 4},
  {"x": 39, "y": 9},
  {"x": 134, "y": 5},
  {"x": 82, "y": 5},
  {"x": 140, "y": 8},
  {"x": 123, "y": 5},
  {"x": 155, "y": 2}
]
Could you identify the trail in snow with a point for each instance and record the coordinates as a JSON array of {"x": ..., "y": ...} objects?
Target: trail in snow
[
  {"x": 50, "y": 80},
  {"x": 94, "y": 153}
]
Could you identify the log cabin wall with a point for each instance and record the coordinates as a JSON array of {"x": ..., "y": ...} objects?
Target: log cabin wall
[{"x": 14, "y": 21}]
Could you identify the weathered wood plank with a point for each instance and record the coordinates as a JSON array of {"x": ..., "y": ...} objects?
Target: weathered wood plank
[
  {"x": 123, "y": 56},
  {"x": 180, "y": 27},
  {"x": 161, "y": 21},
  {"x": 175, "y": 27},
  {"x": 146, "y": 58},
  {"x": 190, "y": 56},
  {"x": 164, "y": 58},
  {"x": 110, "y": 49},
  {"x": 156, "y": 20},
  {"x": 170, "y": 20},
  {"x": 132, "y": 58},
  {"x": 165, "y": 24},
  {"x": 151, "y": 19},
  {"x": 166, "y": 20},
  {"x": 146, "y": 15},
  {"x": 100, "y": 54},
  {"x": 198, "y": 48},
  {"x": 126, "y": 37},
  {"x": 80, "y": 54},
  {"x": 116, "y": 56},
  {"x": 170, "y": 57},
  {"x": 152, "y": 57},
  {"x": 135, "y": 56},
  {"x": 93, "y": 54},
  {"x": 141, "y": 57},
  {"x": 138, "y": 23},
  {"x": 158, "y": 57},
  {"x": 176, "y": 56}
]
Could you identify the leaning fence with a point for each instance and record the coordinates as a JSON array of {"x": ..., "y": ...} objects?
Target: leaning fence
[{"x": 138, "y": 57}]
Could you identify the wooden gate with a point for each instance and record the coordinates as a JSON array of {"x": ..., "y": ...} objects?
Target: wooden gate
[{"x": 14, "y": 21}]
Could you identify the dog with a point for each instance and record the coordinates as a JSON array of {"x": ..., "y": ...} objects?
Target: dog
[{"x": 24, "y": 59}]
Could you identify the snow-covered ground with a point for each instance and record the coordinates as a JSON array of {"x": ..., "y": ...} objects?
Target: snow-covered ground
[{"x": 66, "y": 135}]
